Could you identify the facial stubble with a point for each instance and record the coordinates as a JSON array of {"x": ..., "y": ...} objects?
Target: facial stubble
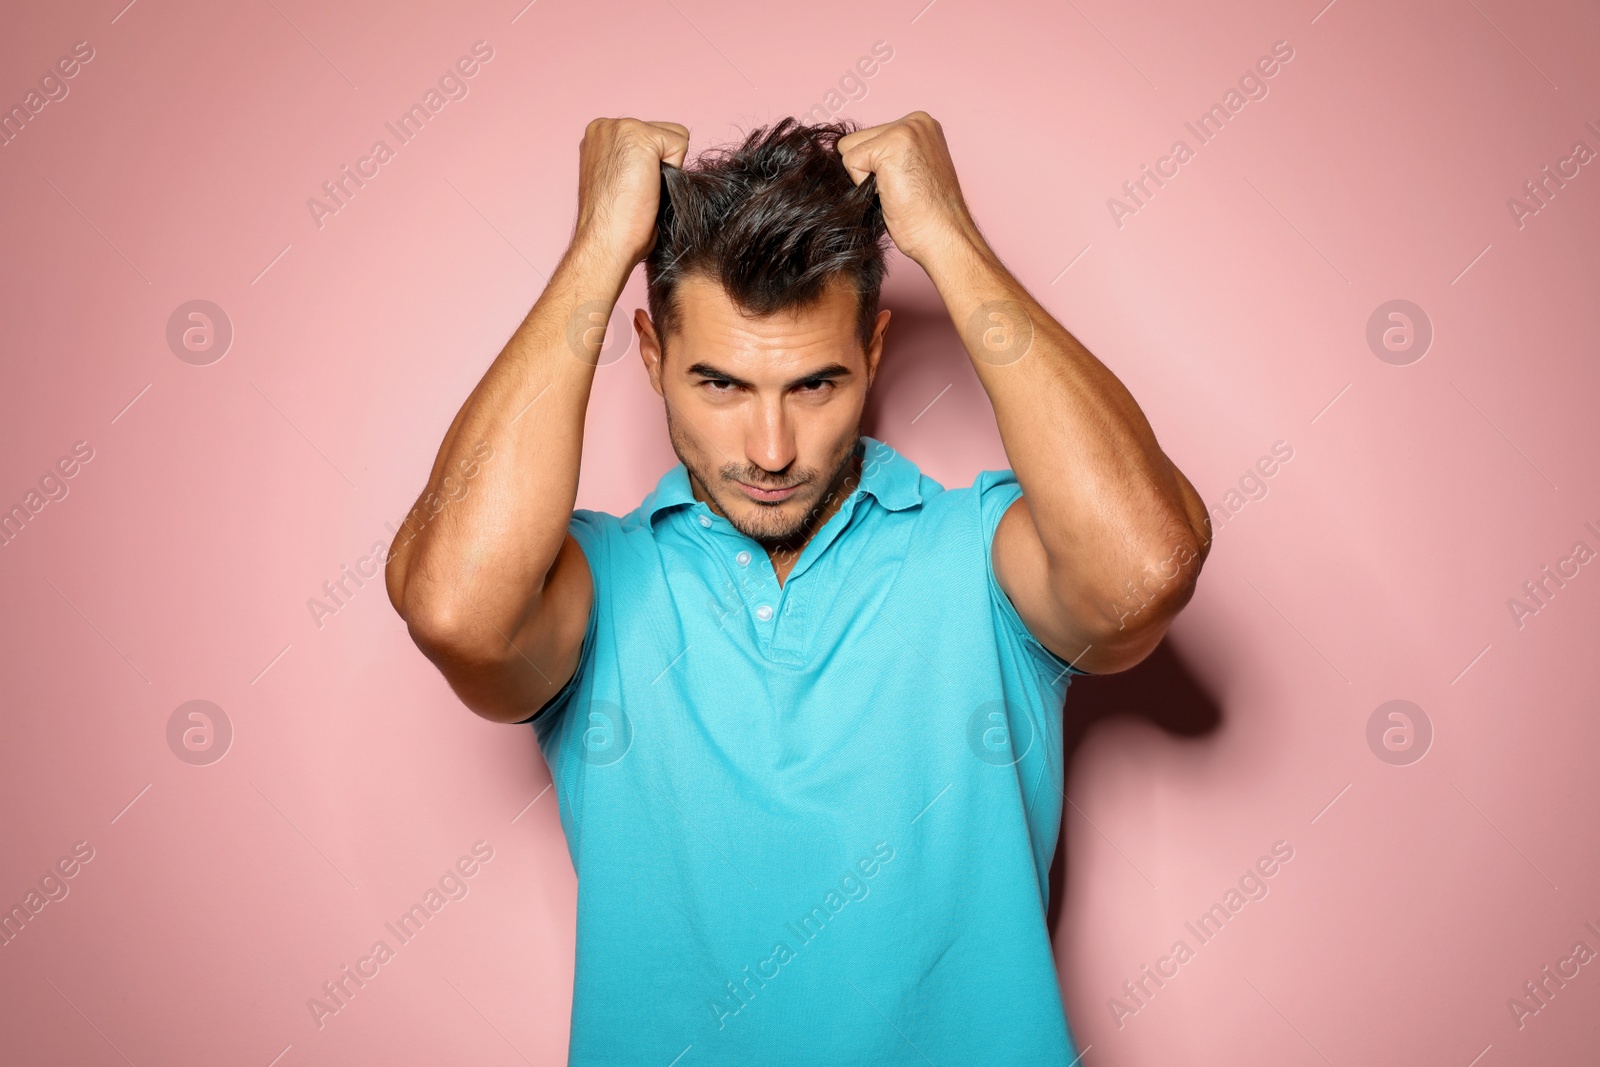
[{"x": 787, "y": 524}]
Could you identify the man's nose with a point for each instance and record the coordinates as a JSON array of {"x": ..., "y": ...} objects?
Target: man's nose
[{"x": 770, "y": 442}]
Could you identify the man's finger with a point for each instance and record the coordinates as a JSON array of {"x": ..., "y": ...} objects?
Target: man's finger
[
  {"x": 675, "y": 146},
  {"x": 850, "y": 140},
  {"x": 862, "y": 157}
]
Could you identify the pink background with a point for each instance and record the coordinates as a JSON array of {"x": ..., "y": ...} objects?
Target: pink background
[{"x": 1234, "y": 304}]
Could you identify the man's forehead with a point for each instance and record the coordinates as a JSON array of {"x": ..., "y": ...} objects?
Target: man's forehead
[{"x": 708, "y": 315}]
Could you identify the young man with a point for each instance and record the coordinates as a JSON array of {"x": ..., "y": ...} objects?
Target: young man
[{"x": 803, "y": 705}]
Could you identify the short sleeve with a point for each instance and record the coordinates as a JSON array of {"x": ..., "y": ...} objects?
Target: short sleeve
[
  {"x": 996, "y": 492},
  {"x": 585, "y": 527}
]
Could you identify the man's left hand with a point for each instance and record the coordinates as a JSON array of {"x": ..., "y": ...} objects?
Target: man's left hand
[{"x": 922, "y": 203}]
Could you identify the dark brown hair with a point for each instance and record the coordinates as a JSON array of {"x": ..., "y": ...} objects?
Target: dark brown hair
[{"x": 773, "y": 220}]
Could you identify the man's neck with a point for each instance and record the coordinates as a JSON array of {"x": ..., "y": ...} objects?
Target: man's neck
[{"x": 785, "y": 555}]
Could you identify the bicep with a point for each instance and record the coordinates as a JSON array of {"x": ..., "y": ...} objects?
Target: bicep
[
  {"x": 516, "y": 676},
  {"x": 1083, "y": 634},
  {"x": 567, "y": 610}
]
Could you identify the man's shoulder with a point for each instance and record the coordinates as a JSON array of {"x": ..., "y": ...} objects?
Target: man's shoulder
[
  {"x": 607, "y": 538},
  {"x": 595, "y": 531},
  {"x": 605, "y": 520},
  {"x": 989, "y": 489}
]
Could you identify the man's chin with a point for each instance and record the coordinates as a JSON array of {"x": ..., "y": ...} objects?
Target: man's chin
[{"x": 769, "y": 524}]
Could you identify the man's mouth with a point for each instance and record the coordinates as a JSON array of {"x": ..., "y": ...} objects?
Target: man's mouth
[{"x": 758, "y": 493}]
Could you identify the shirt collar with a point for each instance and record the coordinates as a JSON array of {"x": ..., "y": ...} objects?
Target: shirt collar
[{"x": 889, "y": 477}]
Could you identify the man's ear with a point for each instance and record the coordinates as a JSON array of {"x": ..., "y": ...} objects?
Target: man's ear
[
  {"x": 875, "y": 350},
  {"x": 649, "y": 347}
]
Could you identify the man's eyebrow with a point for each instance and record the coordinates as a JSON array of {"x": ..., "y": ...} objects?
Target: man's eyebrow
[{"x": 821, "y": 374}]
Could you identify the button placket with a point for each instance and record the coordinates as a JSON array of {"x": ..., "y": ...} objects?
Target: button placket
[
  {"x": 754, "y": 589},
  {"x": 767, "y": 590},
  {"x": 768, "y": 601}
]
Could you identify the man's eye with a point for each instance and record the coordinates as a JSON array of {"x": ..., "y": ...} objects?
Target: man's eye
[
  {"x": 815, "y": 387},
  {"x": 718, "y": 387}
]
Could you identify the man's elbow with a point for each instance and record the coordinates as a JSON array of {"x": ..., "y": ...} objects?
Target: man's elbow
[
  {"x": 1134, "y": 610},
  {"x": 437, "y": 629},
  {"x": 437, "y": 624},
  {"x": 396, "y": 576},
  {"x": 477, "y": 673},
  {"x": 1165, "y": 577},
  {"x": 456, "y": 639},
  {"x": 1171, "y": 576}
]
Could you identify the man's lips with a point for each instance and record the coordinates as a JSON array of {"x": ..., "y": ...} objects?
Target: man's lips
[{"x": 768, "y": 494}]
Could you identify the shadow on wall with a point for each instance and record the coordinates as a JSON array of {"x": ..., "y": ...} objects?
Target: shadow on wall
[
  {"x": 922, "y": 353},
  {"x": 1162, "y": 690}
]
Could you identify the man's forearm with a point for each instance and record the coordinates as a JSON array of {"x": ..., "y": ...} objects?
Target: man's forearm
[
  {"x": 466, "y": 570},
  {"x": 1108, "y": 505}
]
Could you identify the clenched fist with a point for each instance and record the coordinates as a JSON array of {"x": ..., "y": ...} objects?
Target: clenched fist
[
  {"x": 922, "y": 203},
  {"x": 619, "y": 184}
]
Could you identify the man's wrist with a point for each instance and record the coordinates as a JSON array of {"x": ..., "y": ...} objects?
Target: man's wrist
[
  {"x": 960, "y": 260},
  {"x": 593, "y": 255},
  {"x": 967, "y": 275}
]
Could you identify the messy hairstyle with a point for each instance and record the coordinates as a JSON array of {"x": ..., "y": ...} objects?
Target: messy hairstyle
[{"x": 773, "y": 220}]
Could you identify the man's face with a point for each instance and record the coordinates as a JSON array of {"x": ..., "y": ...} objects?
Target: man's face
[{"x": 772, "y": 403}]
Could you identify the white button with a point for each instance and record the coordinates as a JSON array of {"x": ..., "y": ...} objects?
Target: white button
[
  {"x": 743, "y": 558},
  {"x": 764, "y": 613},
  {"x": 705, "y": 520}
]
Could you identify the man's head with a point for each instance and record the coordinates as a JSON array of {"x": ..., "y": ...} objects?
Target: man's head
[{"x": 764, "y": 332}]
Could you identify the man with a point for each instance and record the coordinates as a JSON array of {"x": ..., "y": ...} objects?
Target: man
[{"x": 803, "y": 705}]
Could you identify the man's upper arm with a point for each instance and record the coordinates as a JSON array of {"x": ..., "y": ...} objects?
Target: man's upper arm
[
  {"x": 1087, "y": 639},
  {"x": 1016, "y": 575},
  {"x": 573, "y": 590}
]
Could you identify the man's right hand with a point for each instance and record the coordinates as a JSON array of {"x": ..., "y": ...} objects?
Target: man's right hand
[{"x": 619, "y": 184}]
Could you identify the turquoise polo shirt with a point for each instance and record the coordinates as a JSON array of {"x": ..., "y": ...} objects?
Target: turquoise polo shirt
[{"x": 811, "y": 823}]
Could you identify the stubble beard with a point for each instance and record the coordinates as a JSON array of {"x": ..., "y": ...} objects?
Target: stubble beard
[{"x": 785, "y": 525}]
